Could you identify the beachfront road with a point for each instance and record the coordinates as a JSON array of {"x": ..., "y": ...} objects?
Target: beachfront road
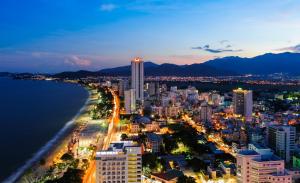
[{"x": 90, "y": 174}]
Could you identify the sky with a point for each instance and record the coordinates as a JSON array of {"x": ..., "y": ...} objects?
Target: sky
[{"x": 66, "y": 35}]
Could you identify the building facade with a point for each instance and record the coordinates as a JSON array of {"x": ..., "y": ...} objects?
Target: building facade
[
  {"x": 153, "y": 142},
  {"x": 253, "y": 167},
  {"x": 122, "y": 86},
  {"x": 137, "y": 78},
  {"x": 130, "y": 101},
  {"x": 120, "y": 163},
  {"x": 243, "y": 103},
  {"x": 205, "y": 112},
  {"x": 281, "y": 138}
]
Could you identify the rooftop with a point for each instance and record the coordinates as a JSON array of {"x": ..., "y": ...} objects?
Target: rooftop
[
  {"x": 228, "y": 164},
  {"x": 259, "y": 146},
  {"x": 169, "y": 175},
  {"x": 120, "y": 145},
  {"x": 240, "y": 90},
  {"x": 268, "y": 158},
  {"x": 154, "y": 137},
  {"x": 117, "y": 148},
  {"x": 143, "y": 119},
  {"x": 248, "y": 152},
  {"x": 137, "y": 59}
]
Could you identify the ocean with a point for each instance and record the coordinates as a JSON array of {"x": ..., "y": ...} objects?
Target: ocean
[{"x": 31, "y": 114}]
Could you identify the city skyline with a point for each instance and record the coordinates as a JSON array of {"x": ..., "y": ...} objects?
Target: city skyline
[
  {"x": 150, "y": 91},
  {"x": 54, "y": 36}
]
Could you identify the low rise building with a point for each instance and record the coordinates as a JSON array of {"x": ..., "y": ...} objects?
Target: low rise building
[
  {"x": 153, "y": 142},
  {"x": 134, "y": 127},
  {"x": 253, "y": 167},
  {"x": 170, "y": 176}
]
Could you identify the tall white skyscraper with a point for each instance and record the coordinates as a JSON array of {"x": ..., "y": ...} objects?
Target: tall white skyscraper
[
  {"x": 137, "y": 78},
  {"x": 243, "y": 103},
  {"x": 281, "y": 138},
  {"x": 120, "y": 163},
  {"x": 130, "y": 101}
]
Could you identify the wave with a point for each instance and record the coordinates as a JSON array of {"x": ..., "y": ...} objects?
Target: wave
[{"x": 37, "y": 156}]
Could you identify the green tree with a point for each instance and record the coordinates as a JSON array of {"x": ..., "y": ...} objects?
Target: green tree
[
  {"x": 151, "y": 161},
  {"x": 67, "y": 157},
  {"x": 124, "y": 136},
  {"x": 186, "y": 179},
  {"x": 71, "y": 175}
]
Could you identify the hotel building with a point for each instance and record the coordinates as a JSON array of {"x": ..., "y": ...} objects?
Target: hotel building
[
  {"x": 120, "y": 163},
  {"x": 253, "y": 167}
]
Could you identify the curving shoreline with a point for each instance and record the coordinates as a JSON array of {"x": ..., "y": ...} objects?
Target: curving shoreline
[{"x": 51, "y": 147}]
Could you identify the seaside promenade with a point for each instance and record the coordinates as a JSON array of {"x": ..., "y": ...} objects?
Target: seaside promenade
[{"x": 90, "y": 174}]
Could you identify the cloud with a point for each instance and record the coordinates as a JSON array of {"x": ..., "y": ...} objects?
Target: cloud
[
  {"x": 77, "y": 61},
  {"x": 206, "y": 46},
  {"x": 38, "y": 54},
  {"x": 295, "y": 49},
  {"x": 217, "y": 50},
  {"x": 108, "y": 7},
  {"x": 53, "y": 62},
  {"x": 72, "y": 60},
  {"x": 224, "y": 41}
]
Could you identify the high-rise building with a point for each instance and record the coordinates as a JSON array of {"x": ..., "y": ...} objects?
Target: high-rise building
[
  {"x": 130, "y": 101},
  {"x": 163, "y": 88},
  {"x": 253, "y": 167},
  {"x": 120, "y": 163},
  {"x": 152, "y": 89},
  {"x": 122, "y": 86},
  {"x": 137, "y": 78},
  {"x": 281, "y": 138},
  {"x": 243, "y": 103},
  {"x": 173, "y": 88},
  {"x": 214, "y": 99},
  {"x": 205, "y": 112}
]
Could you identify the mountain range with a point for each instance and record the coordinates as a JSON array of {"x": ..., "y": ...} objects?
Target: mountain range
[{"x": 228, "y": 66}]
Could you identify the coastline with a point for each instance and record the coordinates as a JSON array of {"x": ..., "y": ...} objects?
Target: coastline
[{"x": 51, "y": 148}]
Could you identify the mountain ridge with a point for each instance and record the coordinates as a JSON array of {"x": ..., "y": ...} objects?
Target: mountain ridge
[{"x": 227, "y": 66}]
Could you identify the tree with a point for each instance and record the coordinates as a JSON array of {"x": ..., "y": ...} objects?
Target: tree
[
  {"x": 151, "y": 161},
  {"x": 67, "y": 157},
  {"x": 71, "y": 175},
  {"x": 197, "y": 164},
  {"x": 74, "y": 163},
  {"x": 124, "y": 136},
  {"x": 170, "y": 143},
  {"x": 146, "y": 171},
  {"x": 186, "y": 179}
]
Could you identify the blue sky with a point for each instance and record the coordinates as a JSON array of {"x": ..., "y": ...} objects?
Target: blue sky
[{"x": 59, "y": 35}]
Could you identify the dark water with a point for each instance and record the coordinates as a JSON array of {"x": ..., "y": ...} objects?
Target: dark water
[{"x": 31, "y": 113}]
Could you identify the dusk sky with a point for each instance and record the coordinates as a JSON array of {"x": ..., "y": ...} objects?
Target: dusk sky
[{"x": 59, "y": 35}]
